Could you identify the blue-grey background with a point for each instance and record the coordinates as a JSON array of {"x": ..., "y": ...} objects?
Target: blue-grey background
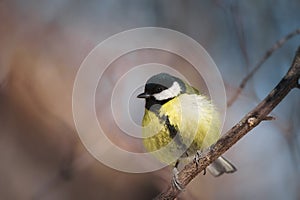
[{"x": 42, "y": 46}]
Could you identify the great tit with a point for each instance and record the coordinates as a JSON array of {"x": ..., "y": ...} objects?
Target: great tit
[{"x": 179, "y": 121}]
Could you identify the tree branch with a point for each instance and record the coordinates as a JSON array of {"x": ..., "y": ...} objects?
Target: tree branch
[
  {"x": 276, "y": 46},
  {"x": 246, "y": 124}
]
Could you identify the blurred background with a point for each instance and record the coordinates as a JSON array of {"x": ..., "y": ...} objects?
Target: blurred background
[{"x": 42, "y": 46}]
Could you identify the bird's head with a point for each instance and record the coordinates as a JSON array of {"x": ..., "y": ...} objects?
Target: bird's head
[{"x": 161, "y": 88}]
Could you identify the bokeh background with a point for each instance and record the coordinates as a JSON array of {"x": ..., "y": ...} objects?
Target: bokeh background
[{"x": 42, "y": 46}]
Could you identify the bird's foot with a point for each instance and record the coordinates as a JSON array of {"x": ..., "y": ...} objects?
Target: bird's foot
[
  {"x": 175, "y": 181},
  {"x": 197, "y": 157}
]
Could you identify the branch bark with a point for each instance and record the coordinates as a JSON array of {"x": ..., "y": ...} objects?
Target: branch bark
[{"x": 245, "y": 125}]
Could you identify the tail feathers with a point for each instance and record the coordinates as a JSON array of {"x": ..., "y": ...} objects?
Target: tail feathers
[{"x": 221, "y": 166}]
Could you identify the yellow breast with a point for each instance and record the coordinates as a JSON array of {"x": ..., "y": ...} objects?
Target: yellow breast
[{"x": 194, "y": 117}]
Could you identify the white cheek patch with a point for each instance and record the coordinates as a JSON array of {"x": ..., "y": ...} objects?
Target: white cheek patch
[{"x": 171, "y": 92}]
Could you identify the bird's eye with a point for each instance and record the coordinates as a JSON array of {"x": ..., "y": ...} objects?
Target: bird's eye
[{"x": 159, "y": 89}]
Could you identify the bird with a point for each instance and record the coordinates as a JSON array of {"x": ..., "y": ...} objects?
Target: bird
[{"x": 179, "y": 122}]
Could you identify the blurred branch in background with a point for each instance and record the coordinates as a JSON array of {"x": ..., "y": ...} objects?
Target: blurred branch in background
[
  {"x": 244, "y": 126},
  {"x": 276, "y": 46},
  {"x": 240, "y": 32}
]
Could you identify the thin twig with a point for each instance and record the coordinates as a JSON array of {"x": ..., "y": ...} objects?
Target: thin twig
[
  {"x": 269, "y": 118},
  {"x": 249, "y": 121},
  {"x": 276, "y": 46}
]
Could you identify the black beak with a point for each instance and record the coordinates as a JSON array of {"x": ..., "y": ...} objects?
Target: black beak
[{"x": 143, "y": 95}]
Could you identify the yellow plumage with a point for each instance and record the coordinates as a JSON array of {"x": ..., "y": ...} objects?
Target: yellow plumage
[
  {"x": 179, "y": 121},
  {"x": 195, "y": 119}
]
